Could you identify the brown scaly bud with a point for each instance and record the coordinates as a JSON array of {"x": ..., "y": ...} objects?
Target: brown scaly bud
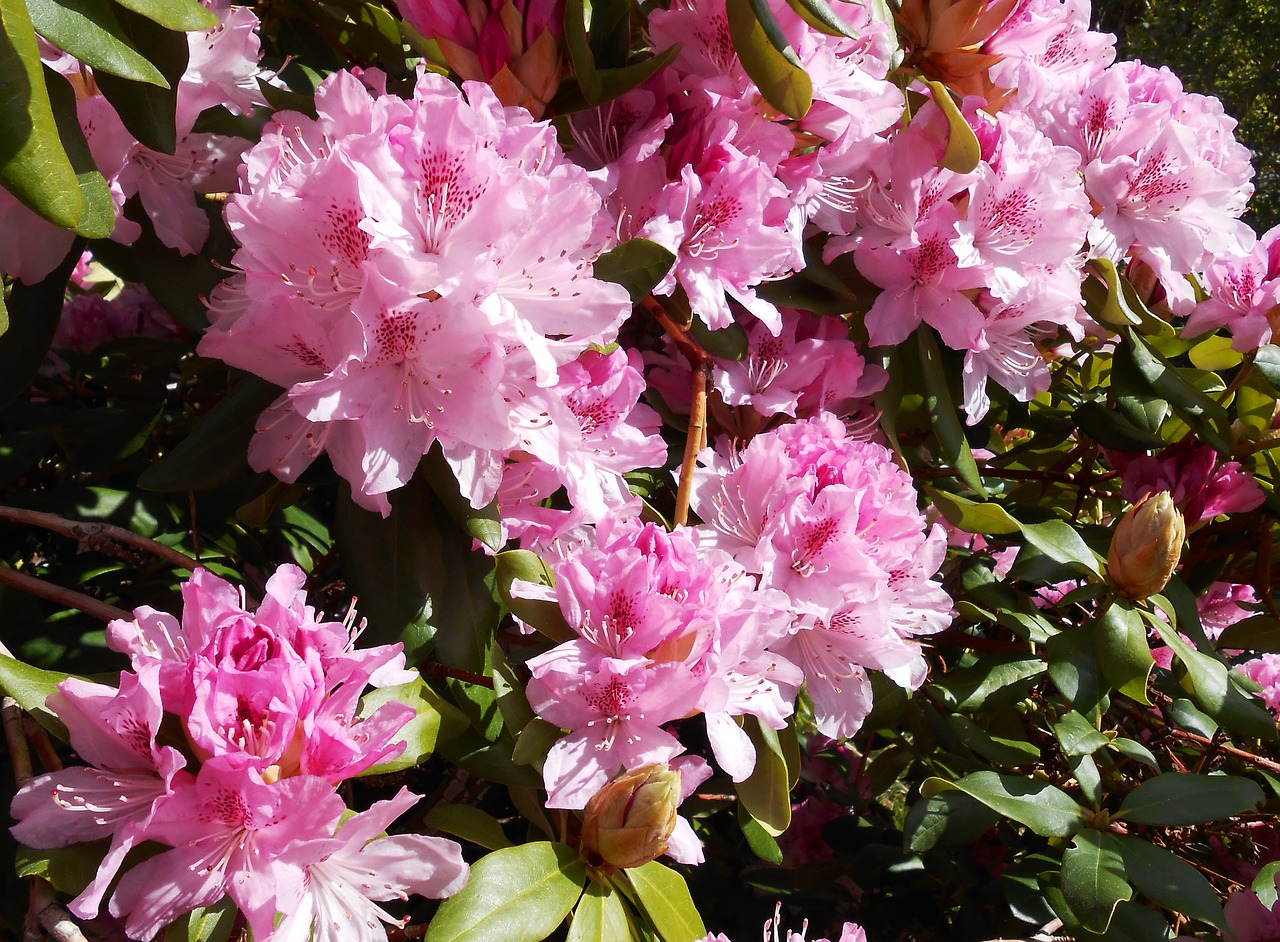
[
  {"x": 1146, "y": 546},
  {"x": 628, "y": 822}
]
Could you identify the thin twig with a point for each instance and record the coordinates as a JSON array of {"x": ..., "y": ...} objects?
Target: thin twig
[
  {"x": 52, "y": 916},
  {"x": 15, "y": 738},
  {"x": 64, "y": 597},
  {"x": 104, "y": 537},
  {"x": 433, "y": 669}
]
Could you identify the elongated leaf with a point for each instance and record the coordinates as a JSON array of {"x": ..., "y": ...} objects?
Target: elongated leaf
[
  {"x": 480, "y": 522},
  {"x": 421, "y": 733},
  {"x": 947, "y": 819},
  {"x": 1124, "y": 655},
  {"x": 1167, "y": 879},
  {"x": 727, "y": 343},
  {"x": 469, "y": 823},
  {"x": 204, "y": 925},
  {"x": 766, "y": 793},
  {"x": 517, "y": 894},
  {"x": 969, "y": 688},
  {"x": 637, "y": 264},
  {"x": 997, "y": 749},
  {"x": 1073, "y": 667},
  {"x": 34, "y": 311},
  {"x": 89, "y": 30},
  {"x": 963, "y": 152},
  {"x": 581, "y": 58},
  {"x": 762, "y": 843},
  {"x": 973, "y": 516},
  {"x": 1179, "y": 798},
  {"x": 618, "y": 81},
  {"x": 542, "y": 614},
  {"x": 1078, "y": 736},
  {"x": 1265, "y": 884},
  {"x": 1094, "y": 880},
  {"x": 1200, "y": 411},
  {"x": 70, "y": 869},
  {"x": 664, "y": 897},
  {"x": 942, "y": 412},
  {"x": 99, "y": 217},
  {"x": 600, "y": 916},
  {"x": 1132, "y": 749},
  {"x": 1256, "y": 633},
  {"x": 767, "y": 57},
  {"x": 819, "y": 15},
  {"x": 1045, "y": 808},
  {"x": 148, "y": 111},
  {"x": 1060, "y": 541},
  {"x": 34, "y": 167},
  {"x": 180, "y": 15}
]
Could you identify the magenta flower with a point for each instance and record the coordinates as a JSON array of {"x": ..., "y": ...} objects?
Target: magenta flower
[{"x": 1200, "y": 486}]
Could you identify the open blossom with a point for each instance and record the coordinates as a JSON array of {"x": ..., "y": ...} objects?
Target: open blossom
[
  {"x": 399, "y": 280},
  {"x": 1244, "y": 295},
  {"x": 1201, "y": 486}
]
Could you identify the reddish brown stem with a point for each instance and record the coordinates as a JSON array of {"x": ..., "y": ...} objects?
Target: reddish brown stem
[
  {"x": 103, "y": 537},
  {"x": 432, "y": 669},
  {"x": 57, "y": 594}
]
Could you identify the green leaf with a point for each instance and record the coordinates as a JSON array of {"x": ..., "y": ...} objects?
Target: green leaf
[
  {"x": 1078, "y": 736},
  {"x": 1168, "y": 879},
  {"x": 97, "y": 438},
  {"x": 600, "y": 916},
  {"x": 942, "y": 412},
  {"x": 1267, "y": 362},
  {"x": 1201, "y": 412},
  {"x": 1132, "y": 749},
  {"x": 180, "y": 15},
  {"x": 483, "y": 523},
  {"x": 1061, "y": 542},
  {"x": 30, "y": 687},
  {"x": 819, "y": 15},
  {"x": 637, "y": 264},
  {"x": 973, "y": 516},
  {"x": 1045, "y": 808},
  {"x": 727, "y": 343},
  {"x": 420, "y": 734},
  {"x": 1094, "y": 880},
  {"x": 90, "y": 31},
  {"x": 947, "y": 819},
  {"x": 70, "y": 869},
  {"x": 469, "y": 823},
  {"x": 34, "y": 167},
  {"x": 766, "y": 793},
  {"x": 1073, "y": 667},
  {"x": 963, "y": 152},
  {"x": 969, "y": 688},
  {"x": 581, "y": 58},
  {"x": 1264, "y": 884},
  {"x": 618, "y": 81},
  {"x": 997, "y": 749},
  {"x": 491, "y": 760},
  {"x": 1111, "y": 428},
  {"x": 1179, "y": 798},
  {"x": 534, "y": 742},
  {"x": 148, "y": 111},
  {"x": 768, "y": 58},
  {"x": 204, "y": 925},
  {"x": 1256, "y": 633},
  {"x": 543, "y": 615},
  {"x": 99, "y": 217},
  {"x": 516, "y": 894},
  {"x": 1124, "y": 655},
  {"x": 664, "y": 898},
  {"x": 762, "y": 843},
  {"x": 213, "y": 455}
]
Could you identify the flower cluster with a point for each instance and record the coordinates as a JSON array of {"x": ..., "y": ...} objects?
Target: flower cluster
[{"x": 268, "y": 703}]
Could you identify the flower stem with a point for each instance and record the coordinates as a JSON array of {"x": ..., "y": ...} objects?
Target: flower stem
[
  {"x": 64, "y": 597},
  {"x": 104, "y": 537}
]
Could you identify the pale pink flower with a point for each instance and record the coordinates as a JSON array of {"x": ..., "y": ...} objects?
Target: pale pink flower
[{"x": 1244, "y": 295}]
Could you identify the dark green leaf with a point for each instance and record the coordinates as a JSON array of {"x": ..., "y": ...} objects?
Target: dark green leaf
[
  {"x": 1045, "y": 808},
  {"x": 1135, "y": 750},
  {"x": 69, "y": 869},
  {"x": 997, "y": 749},
  {"x": 33, "y": 165},
  {"x": 99, "y": 217},
  {"x": 1168, "y": 879},
  {"x": 947, "y": 819},
  {"x": 1061, "y": 542},
  {"x": 618, "y": 81},
  {"x": 581, "y": 58},
  {"x": 89, "y": 30},
  {"x": 1178, "y": 798},
  {"x": 766, "y": 793},
  {"x": 421, "y": 733},
  {"x": 534, "y": 742},
  {"x": 34, "y": 311},
  {"x": 963, "y": 152},
  {"x": 767, "y": 57},
  {"x": 1073, "y": 667},
  {"x": 1113, "y": 429},
  {"x": 1088, "y": 779},
  {"x": 1256, "y": 633},
  {"x": 942, "y": 412},
  {"x": 1267, "y": 362},
  {"x": 98, "y": 438},
  {"x": 664, "y": 898},
  {"x": 1094, "y": 880},
  {"x": 969, "y": 688},
  {"x": 516, "y": 894},
  {"x": 600, "y": 916},
  {"x": 728, "y": 343},
  {"x": 148, "y": 111},
  {"x": 762, "y": 843},
  {"x": 1077, "y": 736},
  {"x": 637, "y": 264},
  {"x": 819, "y": 15},
  {"x": 469, "y": 823},
  {"x": 483, "y": 522},
  {"x": 1200, "y": 411},
  {"x": 490, "y": 760},
  {"x": 1124, "y": 655},
  {"x": 213, "y": 455}
]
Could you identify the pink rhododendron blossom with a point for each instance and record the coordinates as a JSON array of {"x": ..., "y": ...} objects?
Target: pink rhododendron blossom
[
  {"x": 1264, "y": 671},
  {"x": 415, "y": 297},
  {"x": 332, "y": 885},
  {"x": 1200, "y": 486},
  {"x": 1244, "y": 295}
]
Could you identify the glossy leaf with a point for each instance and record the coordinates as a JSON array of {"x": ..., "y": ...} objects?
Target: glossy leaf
[
  {"x": 30, "y": 687},
  {"x": 1045, "y": 808},
  {"x": 469, "y": 823},
  {"x": 99, "y": 218},
  {"x": 768, "y": 58},
  {"x": 763, "y": 844},
  {"x": 1124, "y": 655},
  {"x": 34, "y": 311},
  {"x": 637, "y": 264},
  {"x": 542, "y": 614},
  {"x": 1165, "y": 380},
  {"x": 70, "y": 869},
  {"x": 34, "y": 167},
  {"x": 947, "y": 819},
  {"x": 1094, "y": 880},
  {"x": 664, "y": 898},
  {"x": 942, "y": 412},
  {"x": 1078, "y": 736},
  {"x": 819, "y": 15},
  {"x": 973, "y": 516},
  {"x": 180, "y": 15},
  {"x": 1265, "y": 885},
  {"x": 1180, "y": 798},
  {"x": 1168, "y": 879},
  {"x": 516, "y": 894},
  {"x": 212, "y": 924},
  {"x": 149, "y": 111},
  {"x": 1256, "y": 633},
  {"x": 421, "y": 733},
  {"x": 1062, "y": 543},
  {"x": 90, "y": 31},
  {"x": 766, "y": 793},
  {"x": 600, "y": 916}
]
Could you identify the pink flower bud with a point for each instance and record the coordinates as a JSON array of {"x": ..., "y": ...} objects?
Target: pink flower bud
[
  {"x": 629, "y": 821},
  {"x": 1146, "y": 546}
]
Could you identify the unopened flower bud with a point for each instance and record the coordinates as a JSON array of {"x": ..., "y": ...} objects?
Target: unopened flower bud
[
  {"x": 629, "y": 821},
  {"x": 1146, "y": 546}
]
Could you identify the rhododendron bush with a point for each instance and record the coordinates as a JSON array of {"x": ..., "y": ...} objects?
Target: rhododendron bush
[{"x": 518, "y": 469}]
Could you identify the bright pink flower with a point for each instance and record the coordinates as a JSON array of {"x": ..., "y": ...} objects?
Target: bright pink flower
[
  {"x": 1244, "y": 295},
  {"x": 1264, "y": 671},
  {"x": 1200, "y": 486}
]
